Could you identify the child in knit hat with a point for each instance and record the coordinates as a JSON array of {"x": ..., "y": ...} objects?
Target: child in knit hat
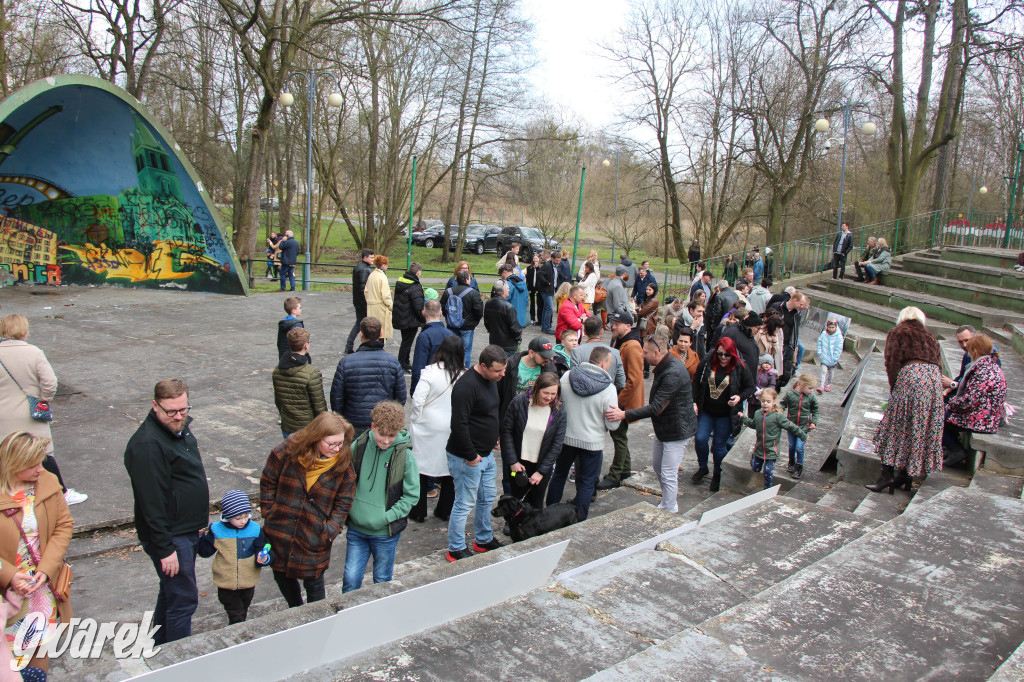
[
  {"x": 766, "y": 375},
  {"x": 241, "y": 549}
]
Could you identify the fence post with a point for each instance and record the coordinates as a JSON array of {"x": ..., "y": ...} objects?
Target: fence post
[
  {"x": 896, "y": 239},
  {"x": 935, "y": 219},
  {"x": 664, "y": 285}
]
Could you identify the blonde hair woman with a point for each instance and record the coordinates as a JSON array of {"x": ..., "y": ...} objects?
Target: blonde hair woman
[
  {"x": 595, "y": 260},
  {"x": 26, "y": 366},
  {"x": 35, "y": 530}
]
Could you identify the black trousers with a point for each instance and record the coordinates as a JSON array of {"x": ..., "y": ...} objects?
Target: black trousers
[
  {"x": 445, "y": 499},
  {"x": 861, "y": 272},
  {"x": 408, "y": 336},
  {"x": 536, "y": 305},
  {"x": 236, "y": 603},
  {"x": 537, "y": 493},
  {"x": 354, "y": 333},
  {"x": 838, "y": 265},
  {"x": 292, "y": 593}
]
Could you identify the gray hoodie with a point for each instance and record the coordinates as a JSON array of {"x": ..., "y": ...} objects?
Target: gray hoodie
[
  {"x": 632, "y": 272},
  {"x": 587, "y": 391}
]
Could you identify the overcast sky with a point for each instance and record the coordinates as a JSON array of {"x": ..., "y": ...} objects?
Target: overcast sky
[{"x": 567, "y": 36}]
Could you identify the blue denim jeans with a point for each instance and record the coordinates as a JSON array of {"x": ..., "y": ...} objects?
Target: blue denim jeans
[
  {"x": 178, "y": 597},
  {"x": 871, "y": 272},
  {"x": 588, "y": 470},
  {"x": 717, "y": 430},
  {"x": 799, "y": 354},
  {"x": 757, "y": 464},
  {"x": 546, "y": 313},
  {"x": 288, "y": 275},
  {"x": 358, "y": 550},
  {"x": 796, "y": 449},
  {"x": 474, "y": 491},
  {"x": 467, "y": 340}
]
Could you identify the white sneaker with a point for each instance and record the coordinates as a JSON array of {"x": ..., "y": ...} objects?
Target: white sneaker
[{"x": 72, "y": 496}]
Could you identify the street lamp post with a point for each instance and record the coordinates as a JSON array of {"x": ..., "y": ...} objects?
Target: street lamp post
[
  {"x": 310, "y": 80},
  {"x": 822, "y": 125},
  {"x": 615, "y": 206}
]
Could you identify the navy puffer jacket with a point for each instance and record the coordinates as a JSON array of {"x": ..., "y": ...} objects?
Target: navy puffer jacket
[{"x": 363, "y": 379}]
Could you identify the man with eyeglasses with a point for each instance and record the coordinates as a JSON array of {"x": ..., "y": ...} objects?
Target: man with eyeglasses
[{"x": 172, "y": 504}]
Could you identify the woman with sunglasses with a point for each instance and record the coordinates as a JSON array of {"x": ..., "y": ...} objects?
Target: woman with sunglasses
[
  {"x": 720, "y": 383},
  {"x": 306, "y": 492}
]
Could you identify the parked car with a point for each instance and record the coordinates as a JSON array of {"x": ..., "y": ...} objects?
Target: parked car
[
  {"x": 531, "y": 241},
  {"x": 430, "y": 237},
  {"x": 422, "y": 224},
  {"x": 475, "y": 239},
  {"x": 270, "y": 204}
]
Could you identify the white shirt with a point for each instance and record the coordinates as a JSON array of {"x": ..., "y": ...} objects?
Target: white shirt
[{"x": 536, "y": 424}]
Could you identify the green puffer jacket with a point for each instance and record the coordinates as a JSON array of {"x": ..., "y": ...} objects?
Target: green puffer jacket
[
  {"x": 801, "y": 409},
  {"x": 769, "y": 431},
  {"x": 298, "y": 391},
  {"x": 882, "y": 260}
]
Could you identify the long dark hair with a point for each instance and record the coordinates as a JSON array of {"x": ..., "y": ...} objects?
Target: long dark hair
[{"x": 451, "y": 354}]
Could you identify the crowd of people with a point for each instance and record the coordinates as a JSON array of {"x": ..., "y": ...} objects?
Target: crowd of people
[{"x": 724, "y": 356}]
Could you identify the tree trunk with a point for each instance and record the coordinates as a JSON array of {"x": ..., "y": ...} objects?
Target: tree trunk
[{"x": 247, "y": 221}]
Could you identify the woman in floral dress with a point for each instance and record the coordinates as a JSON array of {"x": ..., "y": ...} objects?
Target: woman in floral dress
[
  {"x": 909, "y": 437},
  {"x": 32, "y": 509}
]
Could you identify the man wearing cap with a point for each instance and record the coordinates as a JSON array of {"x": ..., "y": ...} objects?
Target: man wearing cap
[
  {"x": 626, "y": 341},
  {"x": 500, "y": 319},
  {"x": 702, "y": 284},
  {"x": 616, "y": 289}
]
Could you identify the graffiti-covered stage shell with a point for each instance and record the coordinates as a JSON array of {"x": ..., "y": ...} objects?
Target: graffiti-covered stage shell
[{"x": 94, "y": 191}]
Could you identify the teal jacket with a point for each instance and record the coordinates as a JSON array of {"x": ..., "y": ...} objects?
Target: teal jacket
[
  {"x": 769, "y": 431},
  {"x": 387, "y": 485}
]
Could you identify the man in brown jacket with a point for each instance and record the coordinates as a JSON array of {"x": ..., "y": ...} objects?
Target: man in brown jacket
[{"x": 626, "y": 340}]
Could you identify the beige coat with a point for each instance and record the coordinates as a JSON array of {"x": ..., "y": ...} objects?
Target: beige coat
[
  {"x": 29, "y": 366},
  {"x": 379, "y": 301},
  {"x": 55, "y": 528}
]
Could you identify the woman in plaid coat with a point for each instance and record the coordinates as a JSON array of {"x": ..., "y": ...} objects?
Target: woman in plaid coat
[{"x": 306, "y": 492}]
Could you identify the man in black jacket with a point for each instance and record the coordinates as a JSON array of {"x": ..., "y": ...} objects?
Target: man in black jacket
[
  {"x": 472, "y": 311},
  {"x": 172, "y": 504},
  {"x": 500, "y": 319},
  {"x": 841, "y": 246},
  {"x": 670, "y": 409},
  {"x": 360, "y": 274},
  {"x": 693, "y": 255},
  {"x": 407, "y": 315},
  {"x": 546, "y": 278},
  {"x": 720, "y": 305},
  {"x": 791, "y": 315}
]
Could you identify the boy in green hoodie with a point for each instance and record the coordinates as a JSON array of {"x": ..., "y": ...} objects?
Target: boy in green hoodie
[
  {"x": 387, "y": 487},
  {"x": 768, "y": 423}
]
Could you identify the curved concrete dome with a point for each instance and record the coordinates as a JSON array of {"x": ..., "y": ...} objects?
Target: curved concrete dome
[{"x": 94, "y": 191}]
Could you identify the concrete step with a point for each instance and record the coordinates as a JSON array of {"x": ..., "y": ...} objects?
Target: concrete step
[
  {"x": 911, "y": 591},
  {"x": 883, "y": 506},
  {"x": 844, "y": 496},
  {"x": 999, "y": 278},
  {"x": 1000, "y": 337},
  {"x": 1017, "y": 337},
  {"x": 998, "y": 258},
  {"x": 1012, "y": 670},
  {"x": 997, "y": 484},
  {"x": 755, "y": 548},
  {"x": 935, "y": 307},
  {"x": 592, "y": 539},
  {"x": 937, "y": 482},
  {"x": 964, "y": 291},
  {"x": 868, "y": 314},
  {"x": 807, "y": 492}
]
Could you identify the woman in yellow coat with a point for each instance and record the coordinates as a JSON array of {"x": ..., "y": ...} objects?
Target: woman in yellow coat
[{"x": 378, "y": 296}]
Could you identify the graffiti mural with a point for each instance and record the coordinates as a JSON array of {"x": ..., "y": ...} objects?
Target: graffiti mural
[{"x": 92, "y": 191}]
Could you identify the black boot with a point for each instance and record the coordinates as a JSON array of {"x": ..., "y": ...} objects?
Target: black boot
[
  {"x": 902, "y": 480},
  {"x": 716, "y": 480},
  {"x": 798, "y": 471},
  {"x": 699, "y": 475},
  {"x": 885, "y": 480}
]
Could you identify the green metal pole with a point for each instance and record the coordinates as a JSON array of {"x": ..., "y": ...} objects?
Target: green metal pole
[
  {"x": 579, "y": 213},
  {"x": 935, "y": 219},
  {"x": 664, "y": 285},
  {"x": 1013, "y": 190},
  {"x": 412, "y": 204},
  {"x": 896, "y": 239}
]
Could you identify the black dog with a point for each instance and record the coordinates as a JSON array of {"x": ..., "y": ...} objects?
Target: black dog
[{"x": 525, "y": 522}]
